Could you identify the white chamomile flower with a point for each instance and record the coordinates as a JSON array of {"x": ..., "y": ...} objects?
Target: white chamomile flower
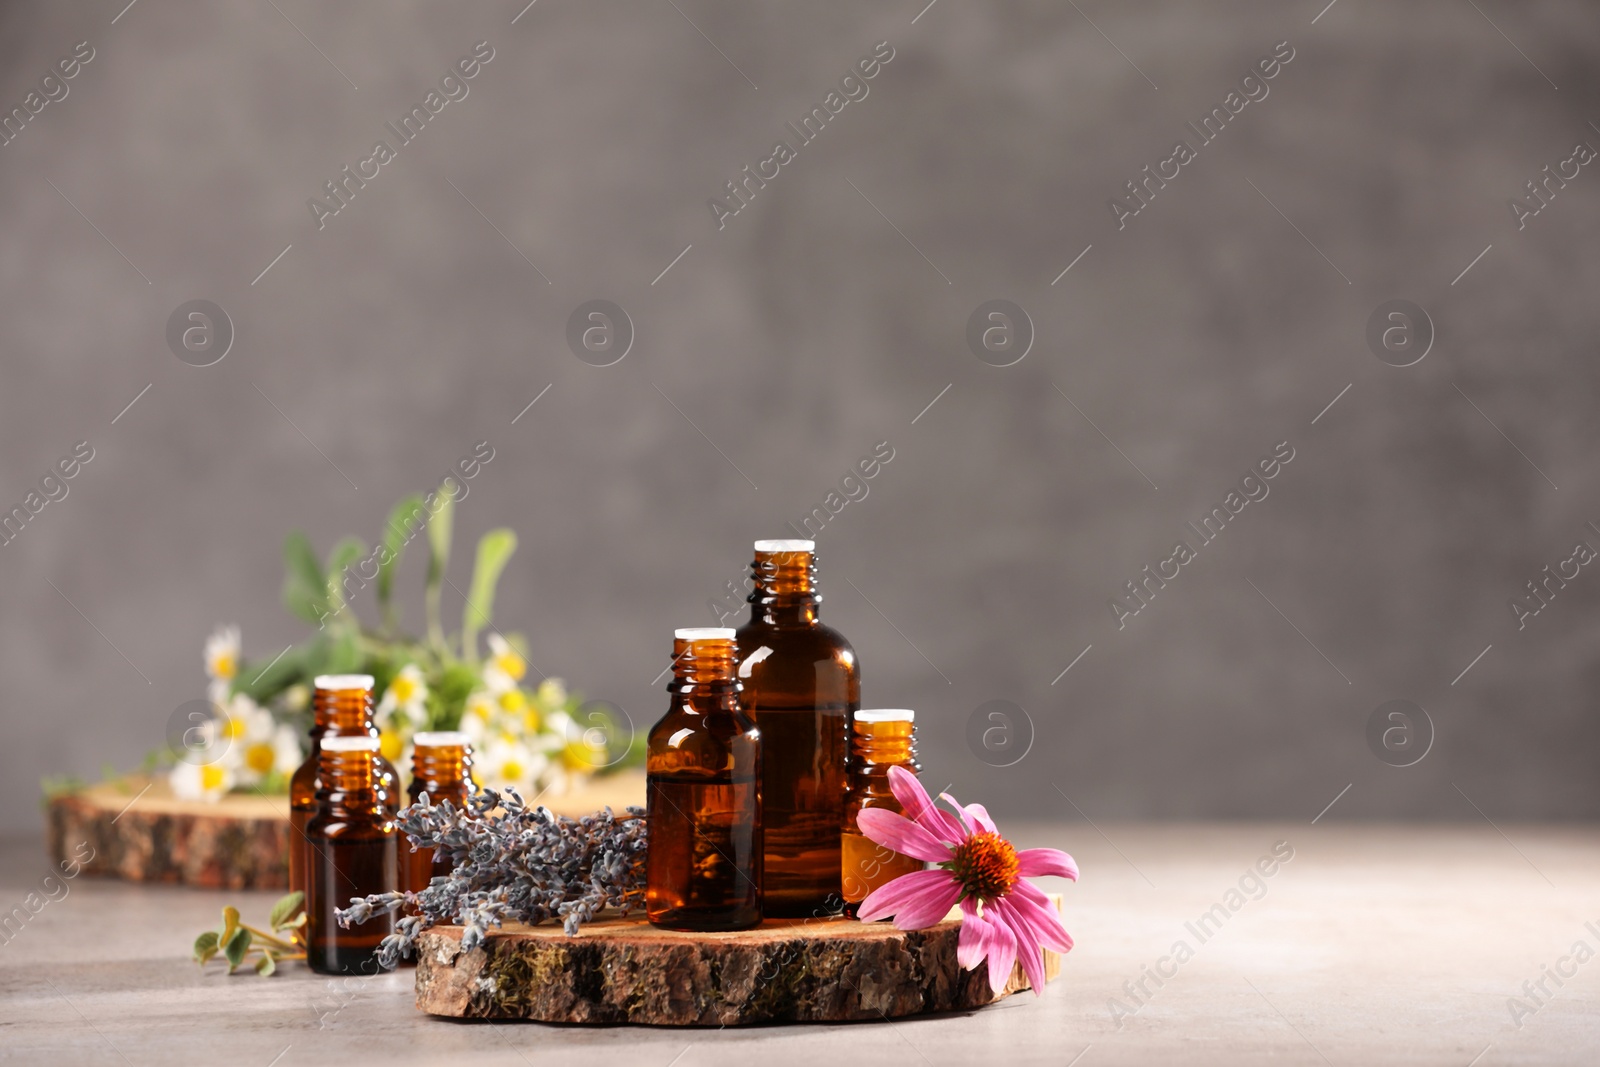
[
  {"x": 254, "y": 733},
  {"x": 505, "y": 666},
  {"x": 286, "y": 750},
  {"x": 552, "y": 693},
  {"x": 222, "y": 653},
  {"x": 509, "y": 762},
  {"x": 210, "y": 771},
  {"x": 477, "y": 719},
  {"x": 404, "y": 703}
]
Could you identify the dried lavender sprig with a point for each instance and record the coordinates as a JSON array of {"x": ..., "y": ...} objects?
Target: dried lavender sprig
[{"x": 510, "y": 863}]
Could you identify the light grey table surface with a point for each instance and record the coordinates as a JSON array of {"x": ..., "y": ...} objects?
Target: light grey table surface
[{"x": 1373, "y": 944}]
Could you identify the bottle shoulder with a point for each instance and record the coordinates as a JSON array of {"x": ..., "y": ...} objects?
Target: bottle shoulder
[{"x": 818, "y": 642}]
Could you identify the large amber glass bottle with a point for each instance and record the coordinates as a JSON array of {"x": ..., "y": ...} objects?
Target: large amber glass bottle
[
  {"x": 342, "y": 707},
  {"x": 802, "y": 683},
  {"x": 879, "y": 739},
  {"x": 703, "y": 775},
  {"x": 351, "y": 842}
]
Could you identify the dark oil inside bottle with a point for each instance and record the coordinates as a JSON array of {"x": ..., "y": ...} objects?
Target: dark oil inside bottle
[
  {"x": 703, "y": 773},
  {"x": 354, "y": 863},
  {"x": 879, "y": 740},
  {"x": 351, "y": 850},
  {"x": 705, "y": 846},
  {"x": 801, "y": 682},
  {"x": 443, "y": 770}
]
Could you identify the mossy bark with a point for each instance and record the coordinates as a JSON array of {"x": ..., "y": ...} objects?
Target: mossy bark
[{"x": 626, "y": 971}]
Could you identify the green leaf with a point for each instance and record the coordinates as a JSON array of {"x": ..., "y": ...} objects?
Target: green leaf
[
  {"x": 234, "y": 948},
  {"x": 286, "y": 909},
  {"x": 494, "y": 552},
  {"x": 205, "y": 946},
  {"x": 230, "y": 923},
  {"x": 346, "y": 552},
  {"x": 305, "y": 587},
  {"x": 405, "y": 520},
  {"x": 266, "y": 965},
  {"x": 440, "y": 526}
]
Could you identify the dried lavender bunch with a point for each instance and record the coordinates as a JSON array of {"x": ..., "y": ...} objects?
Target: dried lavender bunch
[{"x": 511, "y": 863}]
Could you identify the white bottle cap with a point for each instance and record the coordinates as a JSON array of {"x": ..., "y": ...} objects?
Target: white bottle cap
[
  {"x": 786, "y": 546},
  {"x": 437, "y": 738},
  {"x": 343, "y": 681},
  {"x": 705, "y": 633},
  {"x": 886, "y": 715},
  {"x": 354, "y": 743}
]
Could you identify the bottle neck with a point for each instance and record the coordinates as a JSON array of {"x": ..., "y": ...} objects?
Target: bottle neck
[
  {"x": 348, "y": 780},
  {"x": 342, "y": 712},
  {"x": 884, "y": 744},
  {"x": 784, "y": 589},
  {"x": 703, "y": 673},
  {"x": 441, "y": 771}
]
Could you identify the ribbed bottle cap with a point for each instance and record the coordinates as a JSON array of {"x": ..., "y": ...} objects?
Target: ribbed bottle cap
[
  {"x": 705, "y": 633},
  {"x": 355, "y": 743},
  {"x": 870, "y": 715},
  {"x": 440, "y": 738},
  {"x": 786, "y": 546},
  {"x": 343, "y": 681}
]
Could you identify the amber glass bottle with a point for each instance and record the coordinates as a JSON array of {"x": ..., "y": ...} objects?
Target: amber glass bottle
[
  {"x": 351, "y": 841},
  {"x": 801, "y": 682},
  {"x": 342, "y": 706},
  {"x": 879, "y": 739},
  {"x": 703, "y": 774},
  {"x": 441, "y": 766}
]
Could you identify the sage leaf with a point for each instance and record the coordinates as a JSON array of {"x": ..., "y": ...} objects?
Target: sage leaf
[
  {"x": 205, "y": 946},
  {"x": 286, "y": 909},
  {"x": 266, "y": 965},
  {"x": 234, "y": 948}
]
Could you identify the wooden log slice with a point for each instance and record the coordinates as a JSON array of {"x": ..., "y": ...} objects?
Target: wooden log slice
[
  {"x": 139, "y": 831},
  {"x": 627, "y": 971}
]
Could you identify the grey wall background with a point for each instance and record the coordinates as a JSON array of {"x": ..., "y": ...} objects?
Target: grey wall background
[{"x": 808, "y": 330}]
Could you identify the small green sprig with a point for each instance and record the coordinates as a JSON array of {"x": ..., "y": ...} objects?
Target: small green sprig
[{"x": 236, "y": 940}]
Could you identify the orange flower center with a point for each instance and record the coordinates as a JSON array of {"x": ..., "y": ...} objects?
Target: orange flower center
[{"x": 986, "y": 865}]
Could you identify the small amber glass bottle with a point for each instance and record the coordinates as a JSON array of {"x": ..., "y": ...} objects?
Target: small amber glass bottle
[
  {"x": 880, "y": 739},
  {"x": 342, "y": 707},
  {"x": 703, "y": 774},
  {"x": 441, "y": 766},
  {"x": 801, "y": 683},
  {"x": 351, "y": 842}
]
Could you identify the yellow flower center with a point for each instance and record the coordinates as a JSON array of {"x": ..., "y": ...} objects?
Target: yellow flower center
[
  {"x": 224, "y": 665},
  {"x": 511, "y": 771},
  {"x": 403, "y": 689},
  {"x": 530, "y": 720},
  {"x": 985, "y": 864},
  {"x": 260, "y": 757},
  {"x": 211, "y": 777},
  {"x": 389, "y": 745},
  {"x": 232, "y": 727},
  {"x": 513, "y": 700},
  {"x": 512, "y": 664}
]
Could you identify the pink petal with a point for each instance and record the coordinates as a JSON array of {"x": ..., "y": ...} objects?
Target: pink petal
[
  {"x": 1002, "y": 953},
  {"x": 893, "y": 830},
  {"x": 1028, "y": 950},
  {"x": 920, "y": 807},
  {"x": 980, "y": 815},
  {"x": 917, "y": 900},
  {"x": 1038, "y": 862},
  {"x": 1043, "y": 920},
  {"x": 974, "y": 940},
  {"x": 909, "y": 895}
]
